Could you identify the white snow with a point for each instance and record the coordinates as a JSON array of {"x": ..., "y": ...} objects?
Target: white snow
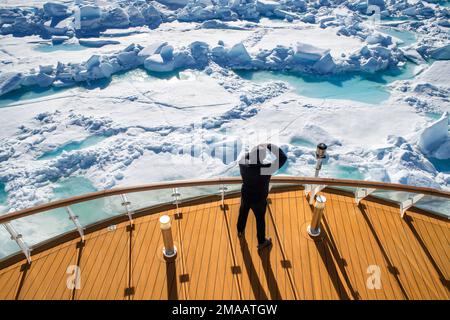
[
  {"x": 438, "y": 74},
  {"x": 321, "y": 38},
  {"x": 338, "y": 123},
  {"x": 435, "y": 138},
  {"x": 9, "y": 81}
]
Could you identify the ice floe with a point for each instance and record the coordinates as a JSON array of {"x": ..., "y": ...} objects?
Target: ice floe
[{"x": 434, "y": 140}]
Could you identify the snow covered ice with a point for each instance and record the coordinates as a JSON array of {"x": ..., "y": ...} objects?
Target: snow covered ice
[{"x": 127, "y": 92}]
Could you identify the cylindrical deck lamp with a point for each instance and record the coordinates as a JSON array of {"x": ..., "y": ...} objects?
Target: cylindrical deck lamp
[
  {"x": 169, "y": 249},
  {"x": 321, "y": 154},
  {"x": 319, "y": 206}
]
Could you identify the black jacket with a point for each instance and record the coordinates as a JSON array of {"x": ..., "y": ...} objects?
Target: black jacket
[{"x": 256, "y": 176}]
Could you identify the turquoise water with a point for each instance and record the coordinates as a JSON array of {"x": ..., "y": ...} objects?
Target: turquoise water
[
  {"x": 7, "y": 246},
  {"x": 59, "y": 47},
  {"x": 407, "y": 37},
  {"x": 342, "y": 172},
  {"x": 368, "y": 88},
  {"x": 48, "y": 224},
  {"x": 3, "y": 194},
  {"x": 86, "y": 143},
  {"x": 87, "y": 212},
  {"x": 302, "y": 142},
  {"x": 138, "y": 74},
  {"x": 71, "y": 187},
  {"x": 3, "y": 198},
  {"x": 329, "y": 170},
  {"x": 90, "y": 211},
  {"x": 25, "y": 94},
  {"x": 441, "y": 165},
  {"x": 362, "y": 88},
  {"x": 433, "y": 115}
]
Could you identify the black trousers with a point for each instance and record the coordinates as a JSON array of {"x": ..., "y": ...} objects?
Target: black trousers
[{"x": 259, "y": 209}]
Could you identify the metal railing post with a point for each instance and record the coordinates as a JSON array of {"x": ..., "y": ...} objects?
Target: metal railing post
[
  {"x": 169, "y": 249},
  {"x": 17, "y": 237},
  {"x": 361, "y": 193},
  {"x": 411, "y": 201},
  {"x": 308, "y": 189},
  {"x": 319, "y": 206},
  {"x": 176, "y": 195},
  {"x": 223, "y": 189},
  {"x": 74, "y": 219},
  {"x": 126, "y": 204}
]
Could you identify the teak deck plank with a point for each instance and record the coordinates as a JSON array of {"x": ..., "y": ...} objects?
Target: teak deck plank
[
  {"x": 166, "y": 275},
  {"x": 376, "y": 259},
  {"x": 225, "y": 286},
  {"x": 53, "y": 285},
  {"x": 434, "y": 240},
  {"x": 356, "y": 250},
  {"x": 102, "y": 270},
  {"x": 327, "y": 246},
  {"x": 344, "y": 243},
  {"x": 380, "y": 223},
  {"x": 349, "y": 289},
  {"x": 291, "y": 244},
  {"x": 365, "y": 249},
  {"x": 208, "y": 241},
  {"x": 147, "y": 258},
  {"x": 9, "y": 281},
  {"x": 412, "y": 254},
  {"x": 421, "y": 263},
  {"x": 253, "y": 287},
  {"x": 284, "y": 238},
  {"x": 342, "y": 278},
  {"x": 295, "y": 248},
  {"x": 303, "y": 216}
]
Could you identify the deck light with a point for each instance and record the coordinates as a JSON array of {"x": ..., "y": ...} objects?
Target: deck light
[
  {"x": 321, "y": 153},
  {"x": 169, "y": 249},
  {"x": 319, "y": 206}
]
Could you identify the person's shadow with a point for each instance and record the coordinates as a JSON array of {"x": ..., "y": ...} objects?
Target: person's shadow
[
  {"x": 264, "y": 254},
  {"x": 257, "y": 288},
  {"x": 253, "y": 276}
]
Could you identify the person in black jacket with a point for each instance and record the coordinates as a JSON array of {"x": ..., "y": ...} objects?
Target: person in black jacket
[{"x": 256, "y": 176}]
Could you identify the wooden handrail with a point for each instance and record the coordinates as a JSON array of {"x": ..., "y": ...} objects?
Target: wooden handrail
[{"x": 218, "y": 181}]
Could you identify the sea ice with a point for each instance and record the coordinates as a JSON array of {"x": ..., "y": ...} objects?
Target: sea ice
[
  {"x": 56, "y": 10},
  {"x": 97, "y": 43},
  {"x": 435, "y": 138},
  {"x": 308, "y": 54},
  {"x": 90, "y": 17},
  {"x": 441, "y": 53},
  {"x": 325, "y": 64},
  {"x": 238, "y": 55},
  {"x": 10, "y": 81}
]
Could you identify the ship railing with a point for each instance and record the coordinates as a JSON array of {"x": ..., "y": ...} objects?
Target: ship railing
[{"x": 33, "y": 228}]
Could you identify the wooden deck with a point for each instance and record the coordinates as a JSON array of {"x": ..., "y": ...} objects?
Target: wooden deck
[{"x": 411, "y": 254}]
